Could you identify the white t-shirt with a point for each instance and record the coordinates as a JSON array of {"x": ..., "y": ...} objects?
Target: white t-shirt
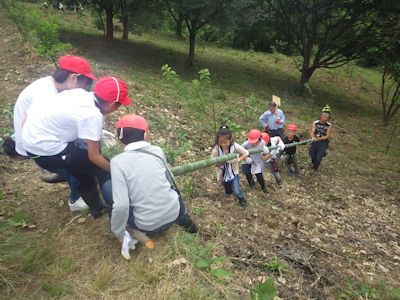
[
  {"x": 41, "y": 87},
  {"x": 53, "y": 122}
]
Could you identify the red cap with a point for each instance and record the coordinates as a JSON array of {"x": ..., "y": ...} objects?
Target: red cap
[
  {"x": 265, "y": 137},
  {"x": 133, "y": 121},
  {"x": 112, "y": 89},
  {"x": 253, "y": 136},
  {"x": 76, "y": 65},
  {"x": 292, "y": 127}
]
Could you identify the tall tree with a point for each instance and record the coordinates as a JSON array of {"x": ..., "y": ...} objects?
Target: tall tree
[
  {"x": 326, "y": 33},
  {"x": 196, "y": 14},
  {"x": 109, "y": 7}
]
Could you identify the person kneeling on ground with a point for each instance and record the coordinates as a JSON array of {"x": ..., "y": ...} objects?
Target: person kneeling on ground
[{"x": 143, "y": 198}]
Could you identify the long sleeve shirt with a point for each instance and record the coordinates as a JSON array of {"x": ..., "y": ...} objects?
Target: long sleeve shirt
[
  {"x": 139, "y": 181},
  {"x": 269, "y": 119},
  {"x": 256, "y": 164},
  {"x": 216, "y": 151}
]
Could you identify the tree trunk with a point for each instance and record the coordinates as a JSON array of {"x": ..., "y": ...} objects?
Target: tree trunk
[
  {"x": 306, "y": 74},
  {"x": 192, "y": 44},
  {"x": 125, "y": 28},
  {"x": 109, "y": 23},
  {"x": 179, "y": 23}
]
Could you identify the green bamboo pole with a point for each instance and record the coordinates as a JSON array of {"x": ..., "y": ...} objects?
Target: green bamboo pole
[{"x": 190, "y": 167}]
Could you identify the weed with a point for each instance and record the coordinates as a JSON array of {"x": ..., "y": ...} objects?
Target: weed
[
  {"x": 201, "y": 256},
  {"x": 276, "y": 265},
  {"x": 55, "y": 289},
  {"x": 264, "y": 291},
  {"x": 366, "y": 290},
  {"x": 197, "y": 210}
]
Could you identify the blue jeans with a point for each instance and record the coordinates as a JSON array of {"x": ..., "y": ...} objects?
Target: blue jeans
[
  {"x": 71, "y": 180},
  {"x": 182, "y": 217},
  {"x": 233, "y": 186}
]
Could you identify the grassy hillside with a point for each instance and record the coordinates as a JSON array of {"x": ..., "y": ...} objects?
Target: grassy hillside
[{"x": 327, "y": 235}]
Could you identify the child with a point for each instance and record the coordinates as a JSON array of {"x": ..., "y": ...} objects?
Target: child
[
  {"x": 270, "y": 157},
  {"x": 254, "y": 162},
  {"x": 290, "y": 153},
  {"x": 321, "y": 132},
  {"x": 228, "y": 173},
  {"x": 143, "y": 198}
]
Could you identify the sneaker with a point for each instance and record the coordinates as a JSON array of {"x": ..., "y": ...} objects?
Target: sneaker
[
  {"x": 265, "y": 191},
  {"x": 78, "y": 205}
]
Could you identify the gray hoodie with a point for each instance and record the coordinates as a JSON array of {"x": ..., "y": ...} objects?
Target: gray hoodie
[{"x": 139, "y": 180}]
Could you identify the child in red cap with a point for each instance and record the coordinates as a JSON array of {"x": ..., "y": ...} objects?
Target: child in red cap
[
  {"x": 254, "y": 163},
  {"x": 144, "y": 196},
  {"x": 290, "y": 153},
  {"x": 271, "y": 157}
]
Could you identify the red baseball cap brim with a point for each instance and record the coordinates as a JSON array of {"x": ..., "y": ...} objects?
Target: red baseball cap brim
[{"x": 76, "y": 64}]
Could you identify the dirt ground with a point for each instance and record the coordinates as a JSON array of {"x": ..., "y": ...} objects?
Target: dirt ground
[{"x": 340, "y": 222}]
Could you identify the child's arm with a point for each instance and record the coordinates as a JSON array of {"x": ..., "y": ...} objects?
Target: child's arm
[
  {"x": 312, "y": 132},
  {"x": 241, "y": 150},
  {"x": 325, "y": 137},
  {"x": 120, "y": 210},
  {"x": 265, "y": 155}
]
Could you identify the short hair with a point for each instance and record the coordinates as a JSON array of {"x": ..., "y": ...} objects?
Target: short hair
[
  {"x": 272, "y": 104},
  {"x": 60, "y": 75},
  {"x": 130, "y": 135}
]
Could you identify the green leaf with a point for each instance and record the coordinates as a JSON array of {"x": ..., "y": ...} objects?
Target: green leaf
[
  {"x": 221, "y": 273},
  {"x": 201, "y": 263},
  {"x": 264, "y": 291}
]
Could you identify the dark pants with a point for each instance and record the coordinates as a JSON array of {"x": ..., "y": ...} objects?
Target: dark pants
[
  {"x": 291, "y": 159},
  {"x": 317, "y": 152},
  {"x": 182, "y": 219},
  {"x": 276, "y": 132},
  {"x": 246, "y": 168},
  {"x": 76, "y": 161}
]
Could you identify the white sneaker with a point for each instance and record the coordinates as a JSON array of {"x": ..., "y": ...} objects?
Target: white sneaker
[{"x": 78, "y": 205}]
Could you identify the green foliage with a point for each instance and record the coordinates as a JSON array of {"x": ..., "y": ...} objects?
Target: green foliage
[
  {"x": 110, "y": 152},
  {"x": 234, "y": 127},
  {"x": 55, "y": 289},
  {"x": 169, "y": 74},
  {"x": 264, "y": 291},
  {"x": 202, "y": 256},
  {"x": 276, "y": 265},
  {"x": 379, "y": 291},
  {"x": 41, "y": 31}
]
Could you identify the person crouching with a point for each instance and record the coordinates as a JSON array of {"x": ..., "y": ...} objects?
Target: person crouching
[{"x": 143, "y": 196}]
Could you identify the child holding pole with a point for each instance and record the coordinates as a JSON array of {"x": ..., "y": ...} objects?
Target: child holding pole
[
  {"x": 228, "y": 173},
  {"x": 290, "y": 153},
  {"x": 270, "y": 157},
  {"x": 254, "y": 163}
]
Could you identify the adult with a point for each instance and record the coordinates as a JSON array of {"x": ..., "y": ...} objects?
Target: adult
[
  {"x": 321, "y": 132},
  {"x": 73, "y": 72},
  {"x": 53, "y": 125},
  {"x": 273, "y": 120}
]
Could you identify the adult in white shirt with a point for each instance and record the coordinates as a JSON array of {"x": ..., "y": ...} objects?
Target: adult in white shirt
[
  {"x": 73, "y": 72},
  {"x": 53, "y": 124}
]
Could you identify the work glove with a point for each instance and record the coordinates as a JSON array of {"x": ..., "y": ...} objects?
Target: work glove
[
  {"x": 274, "y": 153},
  {"x": 108, "y": 139}
]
